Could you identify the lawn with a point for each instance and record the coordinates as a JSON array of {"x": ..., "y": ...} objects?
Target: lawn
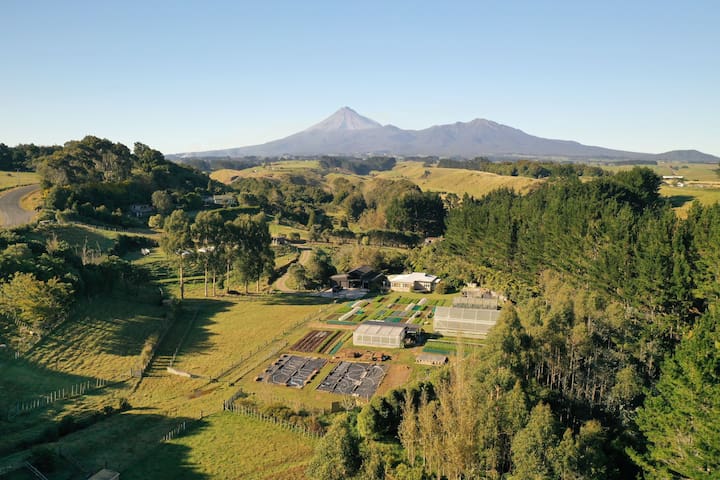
[{"x": 228, "y": 446}]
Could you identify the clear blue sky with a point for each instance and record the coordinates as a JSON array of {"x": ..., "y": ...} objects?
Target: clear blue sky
[{"x": 195, "y": 75}]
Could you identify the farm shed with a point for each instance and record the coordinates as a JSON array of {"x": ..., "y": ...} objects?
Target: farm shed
[
  {"x": 360, "y": 277},
  {"x": 382, "y": 334},
  {"x": 413, "y": 282},
  {"x": 464, "y": 322},
  {"x": 431, "y": 359},
  {"x": 105, "y": 474}
]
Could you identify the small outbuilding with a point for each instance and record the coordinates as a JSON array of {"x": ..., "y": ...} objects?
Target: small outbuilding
[
  {"x": 435, "y": 359},
  {"x": 105, "y": 474},
  {"x": 413, "y": 282},
  {"x": 383, "y": 334},
  {"x": 465, "y": 322}
]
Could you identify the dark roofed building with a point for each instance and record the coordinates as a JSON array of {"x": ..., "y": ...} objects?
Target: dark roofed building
[{"x": 360, "y": 277}]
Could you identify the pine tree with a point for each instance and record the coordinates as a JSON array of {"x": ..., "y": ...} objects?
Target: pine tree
[{"x": 681, "y": 419}]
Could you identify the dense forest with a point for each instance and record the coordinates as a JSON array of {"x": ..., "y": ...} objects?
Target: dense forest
[
  {"x": 605, "y": 364},
  {"x": 97, "y": 179}
]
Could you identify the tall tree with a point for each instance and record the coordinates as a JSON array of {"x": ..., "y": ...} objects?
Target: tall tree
[
  {"x": 207, "y": 234},
  {"x": 177, "y": 244},
  {"x": 338, "y": 454}
]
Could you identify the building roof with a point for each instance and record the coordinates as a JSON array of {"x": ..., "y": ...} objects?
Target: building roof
[
  {"x": 105, "y": 474},
  {"x": 468, "y": 315},
  {"x": 381, "y": 328},
  {"x": 363, "y": 272},
  {"x": 413, "y": 277},
  {"x": 431, "y": 358}
]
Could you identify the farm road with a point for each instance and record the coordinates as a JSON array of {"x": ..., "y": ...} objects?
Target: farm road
[
  {"x": 281, "y": 283},
  {"x": 11, "y": 213}
]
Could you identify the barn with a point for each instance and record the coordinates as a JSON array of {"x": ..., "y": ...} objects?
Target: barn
[
  {"x": 465, "y": 322},
  {"x": 382, "y": 334}
]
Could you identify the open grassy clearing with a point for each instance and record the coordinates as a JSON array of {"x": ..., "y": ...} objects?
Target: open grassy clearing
[
  {"x": 682, "y": 198},
  {"x": 694, "y": 172},
  {"x": 228, "y": 446},
  {"x": 239, "y": 326},
  {"x": 105, "y": 336},
  {"x": 17, "y": 179},
  {"x": 273, "y": 170},
  {"x": 458, "y": 181}
]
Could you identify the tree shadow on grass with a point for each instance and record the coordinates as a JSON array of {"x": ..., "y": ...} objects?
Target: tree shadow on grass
[
  {"x": 191, "y": 333},
  {"x": 677, "y": 201},
  {"x": 132, "y": 444},
  {"x": 296, "y": 299}
]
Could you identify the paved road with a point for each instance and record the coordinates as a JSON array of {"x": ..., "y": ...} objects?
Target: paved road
[{"x": 11, "y": 214}]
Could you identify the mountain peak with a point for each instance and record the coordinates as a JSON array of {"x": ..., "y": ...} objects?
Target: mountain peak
[{"x": 345, "y": 119}]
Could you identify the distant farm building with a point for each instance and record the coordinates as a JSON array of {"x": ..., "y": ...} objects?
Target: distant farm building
[
  {"x": 413, "y": 282},
  {"x": 279, "y": 240},
  {"x": 677, "y": 180},
  {"x": 222, "y": 200},
  {"x": 360, "y": 277},
  {"x": 383, "y": 334},
  {"x": 141, "y": 210},
  {"x": 435, "y": 359},
  {"x": 465, "y": 322}
]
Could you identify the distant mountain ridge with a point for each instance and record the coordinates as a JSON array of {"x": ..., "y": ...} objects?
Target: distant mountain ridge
[{"x": 346, "y": 132}]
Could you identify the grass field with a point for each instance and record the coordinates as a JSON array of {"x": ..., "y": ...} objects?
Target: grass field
[
  {"x": 16, "y": 179},
  {"x": 702, "y": 183},
  {"x": 228, "y": 446},
  {"x": 458, "y": 181},
  {"x": 276, "y": 169},
  {"x": 693, "y": 172}
]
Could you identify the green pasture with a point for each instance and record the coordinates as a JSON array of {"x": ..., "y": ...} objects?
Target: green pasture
[
  {"x": 228, "y": 446},
  {"x": 17, "y": 179}
]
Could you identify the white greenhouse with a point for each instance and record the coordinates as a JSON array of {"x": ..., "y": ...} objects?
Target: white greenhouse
[
  {"x": 380, "y": 334},
  {"x": 465, "y": 322}
]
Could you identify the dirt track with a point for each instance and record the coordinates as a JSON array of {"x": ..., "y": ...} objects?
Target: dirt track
[
  {"x": 281, "y": 283},
  {"x": 11, "y": 213}
]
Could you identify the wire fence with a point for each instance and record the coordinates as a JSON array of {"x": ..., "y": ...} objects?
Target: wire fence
[
  {"x": 228, "y": 406},
  {"x": 64, "y": 393},
  {"x": 276, "y": 338}
]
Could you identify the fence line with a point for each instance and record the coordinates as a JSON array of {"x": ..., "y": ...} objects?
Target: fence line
[
  {"x": 64, "y": 393},
  {"x": 276, "y": 338},
  {"x": 175, "y": 432},
  {"x": 140, "y": 371},
  {"x": 229, "y": 406},
  {"x": 183, "y": 338}
]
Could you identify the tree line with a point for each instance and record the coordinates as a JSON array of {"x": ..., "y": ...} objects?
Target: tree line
[
  {"x": 525, "y": 168},
  {"x": 219, "y": 247},
  {"x": 94, "y": 178}
]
